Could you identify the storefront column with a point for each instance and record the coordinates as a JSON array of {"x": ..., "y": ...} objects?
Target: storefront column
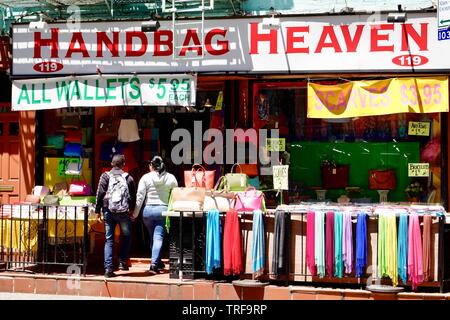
[{"x": 27, "y": 136}]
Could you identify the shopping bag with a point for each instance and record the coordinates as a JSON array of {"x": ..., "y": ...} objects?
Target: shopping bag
[
  {"x": 249, "y": 200},
  {"x": 187, "y": 199},
  {"x": 236, "y": 181},
  {"x": 199, "y": 177},
  {"x": 382, "y": 179}
]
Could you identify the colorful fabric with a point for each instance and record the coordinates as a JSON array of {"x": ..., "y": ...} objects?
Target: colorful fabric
[
  {"x": 415, "y": 261},
  {"x": 310, "y": 234},
  {"x": 232, "y": 257},
  {"x": 426, "y": 246},
  {"x": 280, "y": 247},
  {"x": 347, "y": 242},
  {"x": 403, "y": 247},
  {"x": 338, "y": 263},
  {"x": 329, "y": 243},
  {"x": 319, "y": 243},
  {"x": 361, "y": 243},
  {"x": 212, "y": 241},
  {"x": 387, "y": 247},
  {"x": 258, "y": 244}
]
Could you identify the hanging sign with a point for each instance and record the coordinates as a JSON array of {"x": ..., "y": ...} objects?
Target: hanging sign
[
  {"x": 280, "y": 177},
  {"x": 276, "y": 144},
  {"x": 419, "y": 128},
  {"x": 104, "y": 90},
  {"x": 418, "y": 169},
  {"x": 219, "y": 101},
  {"x": 63, "y": 163},
  {"x": 378, "y": 97}
]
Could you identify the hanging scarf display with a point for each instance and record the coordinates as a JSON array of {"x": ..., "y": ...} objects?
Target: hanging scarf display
[
  {"x": 212, "y": 241},
  {"x": 280, "y": 247},
  {"x": 258, "y": 244},
  {"x": 329, "y": 245},
  {"x": 387, "y": 246},
  {"x": 319, "y": 243},
  {"x": 415, "y": 262},
  {"x": 347, "y": 242},
  {"x": 232, "y": 257},
  {"x": 426, "y": 246},
  {"x": 403, "y": 247},
  {"x": 310, "y": 252},
  {"x": 338, "y": 263},
  {"x": 361, "y": 243}
]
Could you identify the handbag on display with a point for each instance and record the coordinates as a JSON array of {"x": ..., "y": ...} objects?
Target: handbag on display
[
  {"x": 250, "y": 170},
  {"x": 109, "y": 149},
  {"x": 249, "y": 200},
  {"x": 55, "y": 141},
  {"x": 128, "y": 130},
  {"x": 108, "y": 125},
  {"x": 60, "y": 189},
  {"x": 236, "y": 181},
  {"x": 334, "y": 176},
  {"x": 74, "y": 168},
  {"x": 73, "y": 149},
  {"x": 221, "y": 200},
  {"x": 382, "y": 179},
  {"x": 41, "y": 191},
  {"x": 31, "y": 198},
  {"x": 187, "y": 199},
  {"x": 73, "y": 136},
  {"x": 79, "y": 188},
  {"x": 199, "y": 177},
  {"x": 71, "y": 122},
  {"x": 51, "y": 200}
]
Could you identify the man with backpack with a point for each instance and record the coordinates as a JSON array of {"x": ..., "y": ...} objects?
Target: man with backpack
[{"x": 116, "y": 197}]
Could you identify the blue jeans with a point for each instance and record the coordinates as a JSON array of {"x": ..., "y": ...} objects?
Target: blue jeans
[
  {"x": 124, "y": 221},
  {"x": 155, "y": 224}
]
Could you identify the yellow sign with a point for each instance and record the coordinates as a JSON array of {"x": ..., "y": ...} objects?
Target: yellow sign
[
  {"x": 418, "y": 169},
  {"x": 219, "y": 101},
  {"x": 378, "y": 97},
  {"x": 280, "y": 177},
  {"x": 276, "y": 144},
  {"x": 419, "y": 128}
]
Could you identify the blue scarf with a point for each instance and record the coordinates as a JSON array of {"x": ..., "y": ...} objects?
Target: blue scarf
[
  {"x": 361, "y": 243},
  {"x": 212, "y": 241},
  {"x": 258, "y": 245},
  {"x": 402, "y": 247}
]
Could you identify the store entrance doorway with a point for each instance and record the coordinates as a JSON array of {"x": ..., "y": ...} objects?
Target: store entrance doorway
[{"x": 10, "y": 158}]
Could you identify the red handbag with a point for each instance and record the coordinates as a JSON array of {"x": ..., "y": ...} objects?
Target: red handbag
[
  {"x": 79, "y": 188},
  {"x": 250, "y": 169},
  {"x": 199, "y": 177},
  {"x": 382, "y": 179},
  {"x": 334, "y": 176}
]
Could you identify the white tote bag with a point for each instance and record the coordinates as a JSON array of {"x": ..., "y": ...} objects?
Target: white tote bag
[{"x": 128, "y": 130}]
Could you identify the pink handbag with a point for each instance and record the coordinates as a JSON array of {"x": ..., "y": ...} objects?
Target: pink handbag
[
  {"x": 249, "y": 200},
  {"x": 79, "y": 188},
  {"x": 199, "y": 178}
]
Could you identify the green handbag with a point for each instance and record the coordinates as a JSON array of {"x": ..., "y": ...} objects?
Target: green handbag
[
  {"x": 236, "y": 181},
  {"x": 55, "y": 141}
]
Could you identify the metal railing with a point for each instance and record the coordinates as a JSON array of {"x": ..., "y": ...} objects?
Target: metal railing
[{"x": 36, "y": 238}]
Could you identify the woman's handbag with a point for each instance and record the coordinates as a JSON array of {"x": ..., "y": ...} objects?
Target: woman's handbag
[
  {"x": 108, "y": 125},
  {"x": 250, "y": 170},
  {"x": 109, "y": 149},
  {"x": 382, "y": 179},
  {"x": 249, "y": 200},
  {"x": 221, "y": 200},
  {"x": 199, "y": 177},
  {"x": 187, "y": 199},
  {"x": 73, "y": 136},
  {"x": 334, "y": 176},
  {"x": 128, "y": 130},
  {"x": 55, "y": 141},
  {"x": 51, "y": 200},
  {"x": 73, "y": 149},
  {"x": 236, "y": 181},
  {"x": 79, "y": 188},
  {"x": 74, "y": 168},
  {"x": 31, "y": 198}
]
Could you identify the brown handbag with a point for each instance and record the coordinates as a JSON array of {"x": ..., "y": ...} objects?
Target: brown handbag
[
  {"x": 382, "y": 179},
  {"x": 187, "y": 199},
  {"x": 217, "y": 199}
]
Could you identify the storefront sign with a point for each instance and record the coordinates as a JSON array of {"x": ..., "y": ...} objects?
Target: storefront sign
[
  {"x": 276, "y": 144},
  {"x": 378, "y": 97},
  {"x": 350, "y": 43},
  {"x": 418, "y": 169},
  {"x": 443, "y": 13},
  {"x": 280, "y": 177},
  {"x": 419, "y": 128},
  {"x": 102, "y": 90}
]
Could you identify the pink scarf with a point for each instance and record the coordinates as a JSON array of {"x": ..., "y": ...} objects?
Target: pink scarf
[
  {"x": 310, "y": 231},
  {"x": 415, "y": 262}
]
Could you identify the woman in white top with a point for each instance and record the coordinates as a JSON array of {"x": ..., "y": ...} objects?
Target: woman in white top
[{"x": 154, "y": 189}]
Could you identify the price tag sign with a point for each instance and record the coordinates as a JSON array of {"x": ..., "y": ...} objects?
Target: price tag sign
[
  {"x": 275, "y": 145},
  {"x": 219, "y": 102},
  {"x": 418, "y": 169},
  {"x": 62, "y": 165},
  {"x": 419, "y": 128},
  {"x": 280, "y": 177}
]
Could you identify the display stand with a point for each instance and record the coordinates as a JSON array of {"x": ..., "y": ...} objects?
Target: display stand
[{"x": 383, "y": 195}]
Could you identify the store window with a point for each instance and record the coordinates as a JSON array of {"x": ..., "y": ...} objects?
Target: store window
[
  {"x": 362, "y": 159},
  {"x": 13, "y": 128}
]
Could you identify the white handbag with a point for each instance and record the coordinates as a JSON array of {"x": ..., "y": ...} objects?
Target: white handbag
[
  {"x": 221, "y": 200},
  {"x": 128, "y": 130}
]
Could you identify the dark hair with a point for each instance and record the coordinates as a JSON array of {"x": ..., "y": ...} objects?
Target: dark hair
[
  {"x": 118, "y": 161},
  {"x": 158, "y": 164}
]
